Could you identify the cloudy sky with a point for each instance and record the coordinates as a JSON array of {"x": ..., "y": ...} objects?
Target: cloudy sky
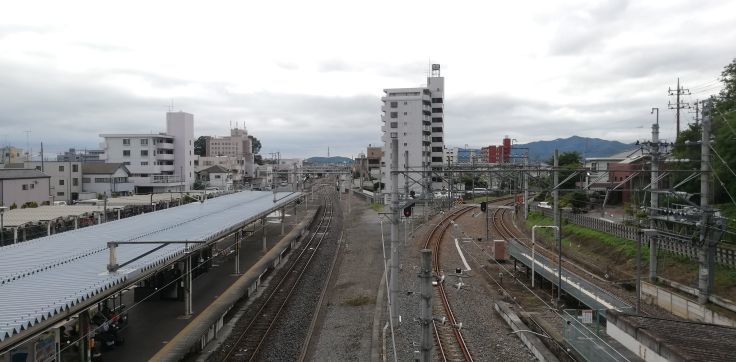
[{"x": 307, "y": 75}]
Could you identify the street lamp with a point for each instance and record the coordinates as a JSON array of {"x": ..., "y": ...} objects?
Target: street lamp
[
  {"x": 534, "y": 262},
  {"x": 650, "y": 233}
]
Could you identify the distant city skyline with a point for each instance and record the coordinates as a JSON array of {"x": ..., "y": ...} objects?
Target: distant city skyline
[{"x": 311, "y": 77}]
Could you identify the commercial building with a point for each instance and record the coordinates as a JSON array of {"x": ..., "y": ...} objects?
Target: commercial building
[
  {"x": 80, "y": 156},
  {"x": 157, "y": 162},
  {"x": 415, "y": 116},
  {"x": 10, "y": 154},
  {"x": 499, "y": 153},
  {"x": 19, "y": 186},
  {"x": 238, "y": 147},
  {"x": 374, "y": 155}
]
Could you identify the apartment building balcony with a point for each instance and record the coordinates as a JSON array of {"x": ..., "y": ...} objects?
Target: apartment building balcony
[
  {"x": 165, "y": 156},
  {"x": 167, "y": 167},
  {"x": 165, "y": 145}
]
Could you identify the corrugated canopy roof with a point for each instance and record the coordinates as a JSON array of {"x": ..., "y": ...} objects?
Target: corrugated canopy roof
[
  {"x": 41, "y": 278},
  {"x": 18, "y": 217}
]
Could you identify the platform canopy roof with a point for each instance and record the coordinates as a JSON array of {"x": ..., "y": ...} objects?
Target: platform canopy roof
[{"x": 43, "y": 279}]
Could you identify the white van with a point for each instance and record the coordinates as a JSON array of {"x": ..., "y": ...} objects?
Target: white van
[{"x": 59, "y": 203}]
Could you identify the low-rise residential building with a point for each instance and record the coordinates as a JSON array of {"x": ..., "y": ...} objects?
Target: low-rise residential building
[
  {"x": 106, "y": 178},
  {"x": 263, "y": 177},
  {"x": 216, "y": 177},
  {"x": 66, "y": 177},
  {"x": 19, "y": 186},
  {"x": 241, "y": 172}
]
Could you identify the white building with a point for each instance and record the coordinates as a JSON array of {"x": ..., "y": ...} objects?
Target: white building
[
  {"x": 106, "y": 178},
  {"x": 239, "y": 148},
  {"x": 157, "y": 162},
  {"x": 416, "y": 117},
  {"x": 450, "y": 155}
]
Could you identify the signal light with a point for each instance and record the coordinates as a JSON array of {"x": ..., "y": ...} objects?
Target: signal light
[
  {"x": 483, "y": 206},
  {"x": 413, "y": 194},
  {"x": 407, "y": 210}
]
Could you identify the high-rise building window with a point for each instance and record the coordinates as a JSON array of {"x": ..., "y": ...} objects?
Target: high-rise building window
[
  {"x": 394, "y": 124},
  {"x": 75, "y": 168},
  {"x": 144, "y": 153},
  {"x": 126, "y": 153},
  {"x": 61, "y": 168},
  {"x": 144, "y": 141},
  {"x": 75, "y": 182},
  {"x": 394, "y": 104},
  {"x": 394, "y": 114},
  {"x": 61, "y": 182},
  {"x": 126, "y": 141}
]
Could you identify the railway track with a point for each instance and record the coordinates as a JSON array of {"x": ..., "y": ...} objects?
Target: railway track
[
  {"x": 449, "y": 339},
  {"x": 270, "y": 306}
]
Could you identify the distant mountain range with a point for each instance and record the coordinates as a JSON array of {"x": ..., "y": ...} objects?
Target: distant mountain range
[
  {"x": 328, "y": 160},
  {"x": 587, "y": 147},
  {"x": 538, "y": 151}
]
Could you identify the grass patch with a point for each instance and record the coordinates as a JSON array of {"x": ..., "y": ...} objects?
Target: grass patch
[
  {"x": 358, "y": 301},
  {"x": 572, "y": 233},
  {"x": 376, "y": 207},
  {"x": 672, "y": 266}
]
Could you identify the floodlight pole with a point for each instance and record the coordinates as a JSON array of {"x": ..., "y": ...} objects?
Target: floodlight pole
[{"x": 534, "y": 261}]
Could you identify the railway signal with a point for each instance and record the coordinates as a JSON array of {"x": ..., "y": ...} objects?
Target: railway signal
[
  {"x": 483, "y": 206},
  {"x": 407, "y": 210}
]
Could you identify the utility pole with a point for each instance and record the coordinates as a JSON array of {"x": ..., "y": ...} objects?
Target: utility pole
[
  {"x": 654, "y": 199},
  {"x": 556, "y": 193},
  {"x": 394, "y": 280},
  {"x": 697, "y": 111},
  {"x": 526, "y": 185},
  {"x": 425, "y": 316},
  {"x": 678, "y": 104},
  {"x": 708, "y": 237},
  {"x": 556, "y": 208}
]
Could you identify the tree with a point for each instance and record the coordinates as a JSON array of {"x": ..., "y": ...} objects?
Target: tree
[
  {"x": 258, "y": 159},
  {"x": 200, "y": 146},
  {"x": 255, "y": 144},
  {"x": 569, "y": 160},
  {"x": 724, "y": 129}
]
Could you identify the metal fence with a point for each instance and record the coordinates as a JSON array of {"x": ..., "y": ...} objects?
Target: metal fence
[
  {"x": 724, "y": 256},
  {"x": 585, "y": 336}
]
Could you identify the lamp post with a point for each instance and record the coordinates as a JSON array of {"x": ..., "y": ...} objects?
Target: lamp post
[{"x": 534, "y": 262}]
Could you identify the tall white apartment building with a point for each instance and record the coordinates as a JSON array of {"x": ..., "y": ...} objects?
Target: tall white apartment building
[
  {"x": 239, "y": 147},
  {"x": 157, "y": 162},
  {"x": 415, "y": 116}
]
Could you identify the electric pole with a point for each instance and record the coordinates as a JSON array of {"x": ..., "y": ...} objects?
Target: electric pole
[
  {"x": 678, "y": 104},
  {"x": 394, "y": 287},
  {"x": 709, "y": 233},
  {"x": 654, "y": 199}
]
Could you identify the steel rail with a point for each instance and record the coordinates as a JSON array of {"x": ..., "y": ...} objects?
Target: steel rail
[
  {"x": 433, "y": 241},
  {"x": 258, "y": 317}
]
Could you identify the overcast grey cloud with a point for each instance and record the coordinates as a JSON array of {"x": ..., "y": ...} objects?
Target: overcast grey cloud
[{"x": 311, "y": 78}]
